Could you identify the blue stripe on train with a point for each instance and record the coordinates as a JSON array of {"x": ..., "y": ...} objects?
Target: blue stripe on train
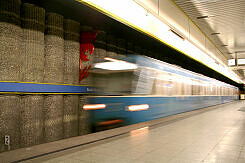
[{"x": 158, "y": 107}]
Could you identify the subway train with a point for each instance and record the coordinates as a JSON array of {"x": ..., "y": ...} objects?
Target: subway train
[{"x": 137, "y": 88}]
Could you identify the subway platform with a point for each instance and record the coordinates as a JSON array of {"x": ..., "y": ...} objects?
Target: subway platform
[{"x": 213, "y": 134}]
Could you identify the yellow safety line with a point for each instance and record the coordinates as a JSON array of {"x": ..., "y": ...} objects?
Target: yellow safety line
[
  {"x": 40, "y": 83},
  {"x": 98, "y": 8}
]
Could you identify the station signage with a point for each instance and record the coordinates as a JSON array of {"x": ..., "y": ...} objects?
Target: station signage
[
  {"x": 231, "y": 62},
  {"x": 241, "y": 61},
  {"x": 86, "y": 48}
]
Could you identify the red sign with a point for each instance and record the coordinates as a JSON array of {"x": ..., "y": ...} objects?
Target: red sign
[{"x": 86, "y": 46}]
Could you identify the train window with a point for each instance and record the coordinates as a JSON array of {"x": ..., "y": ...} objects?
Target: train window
[
  {"x": 214, "y": 90},
  {"x": 223, "y": 91},
  {"x": 189, "y": 89},
  {"x": 195, "y": 87},
  {"x": 186, "y": 86},
  {"x": 202, "y": 88},
  {"x": 113, "y": 83},
  {"x": 178, "y": 87},
  {"x": 176, "y": 84},
  {"x": 158, "y": 85},
  {"x": 218, "y": 90},
  {"x": 207, "y": 89},
  {"x": 169, "y": 85},
  {"x": 227, "y": 91},
  {"x": 144, "y": 81}
]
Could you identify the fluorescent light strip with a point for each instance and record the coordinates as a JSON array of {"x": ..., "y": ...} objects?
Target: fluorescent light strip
[
  {"x": 116, "y": 65},
  {"x": 134, "y": 15}
]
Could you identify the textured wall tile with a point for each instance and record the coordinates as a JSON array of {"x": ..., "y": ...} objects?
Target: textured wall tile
[
  {"x": 33, "y": 21},
  {"x": 31, "y": 120},
  {"x": 70, "y": 121},
  {"x": 53, "y": 118},
  {"x": 71, "y": 51},
  {"x": 54, "y": 49},
  {"x": 10, "y": 40},
  {"x": 9, "y": 121}
]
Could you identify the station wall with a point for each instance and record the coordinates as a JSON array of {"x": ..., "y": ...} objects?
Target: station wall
[{"x": 44, "y": 47}]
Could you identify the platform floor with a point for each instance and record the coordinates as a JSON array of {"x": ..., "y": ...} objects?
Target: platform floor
[{"x": 217, "y": 135}]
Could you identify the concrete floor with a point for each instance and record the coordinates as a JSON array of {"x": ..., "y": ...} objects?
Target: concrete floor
[{"x": 213, "y": 136}]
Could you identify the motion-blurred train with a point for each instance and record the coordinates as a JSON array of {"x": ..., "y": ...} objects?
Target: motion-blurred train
[{"x": 136, "y": 88}]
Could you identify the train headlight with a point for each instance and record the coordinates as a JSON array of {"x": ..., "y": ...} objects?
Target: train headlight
[
  {"x": 138, "y": 107},
  {"x": 94, "y": 106}
]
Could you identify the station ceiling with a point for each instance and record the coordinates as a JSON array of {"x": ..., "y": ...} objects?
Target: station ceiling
[
  {"x": 87, "y": 16},
  {"x": 223, "y": 21}
]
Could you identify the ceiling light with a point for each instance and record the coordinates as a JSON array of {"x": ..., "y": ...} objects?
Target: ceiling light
[
  {"x": 215, "y": 33},
  {"x": 239, "y": 51},
  {"x": 202, "y": 17},
  {"x": 177, "y": 34}
]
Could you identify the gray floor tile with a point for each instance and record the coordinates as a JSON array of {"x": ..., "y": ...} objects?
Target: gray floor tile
[
  {"x": 181, "y": 160},
  {"x": 191, "y": 155},
  {"x": 242, "y": 155},
  {"x": 221, "y": 160},
  {"x": 65, "y": 161},
  {"x": 241, "y": 160},
  {"x": 153, "y": 158}
]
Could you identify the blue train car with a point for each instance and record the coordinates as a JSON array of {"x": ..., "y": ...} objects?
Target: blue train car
[{"x": 136, "y": 88}]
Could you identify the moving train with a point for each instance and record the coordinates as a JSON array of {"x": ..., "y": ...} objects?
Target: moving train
[{"x": 137, "y": 88}]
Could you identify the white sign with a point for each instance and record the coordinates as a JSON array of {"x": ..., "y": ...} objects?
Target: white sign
[
  {"x": 242, "y": 96},
  {"x": 7, "y": 140},
  {"x": 241, "y": 61},
  {"x": 231, "y": 62}
]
